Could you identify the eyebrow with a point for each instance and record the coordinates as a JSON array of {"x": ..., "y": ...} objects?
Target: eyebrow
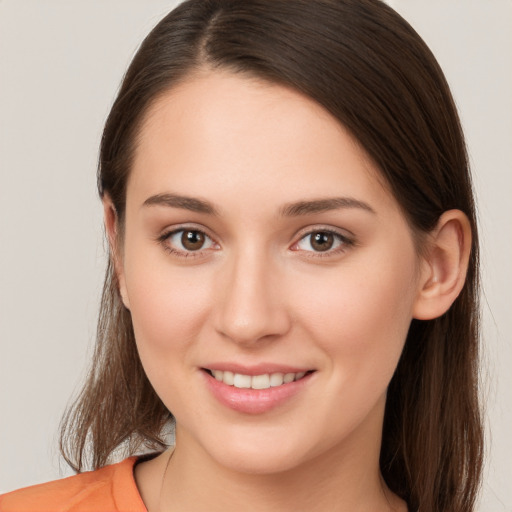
[
  {"x": 323, "y": 205},
  {"x": 186, "y": 203},
  {"x": 294, "y": 209}
]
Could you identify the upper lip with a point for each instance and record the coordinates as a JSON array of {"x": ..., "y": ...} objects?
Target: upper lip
[{"x": 256, "y": 369}]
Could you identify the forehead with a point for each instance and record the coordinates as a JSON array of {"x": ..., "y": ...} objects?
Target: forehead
[{"x": 232, "y": 136}]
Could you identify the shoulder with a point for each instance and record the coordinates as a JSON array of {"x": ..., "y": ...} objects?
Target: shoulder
[{"x": 111, "y": 488}]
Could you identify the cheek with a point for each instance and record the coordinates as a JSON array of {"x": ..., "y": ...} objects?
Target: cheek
[
  {"x": 360, "y": 315},
  {"x": 168, "y": 307}
]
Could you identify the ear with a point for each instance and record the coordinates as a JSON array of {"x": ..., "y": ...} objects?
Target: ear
[
  {"x": 444, "y": 267},
  {"x": 113, "y": 236}
]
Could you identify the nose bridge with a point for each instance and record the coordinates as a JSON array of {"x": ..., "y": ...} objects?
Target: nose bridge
[{"x": 250, "y": 306}]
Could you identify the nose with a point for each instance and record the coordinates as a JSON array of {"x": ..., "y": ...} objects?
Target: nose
[{"x": 251, "y": 303}]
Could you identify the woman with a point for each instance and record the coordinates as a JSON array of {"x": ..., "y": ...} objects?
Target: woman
[{"x": 292, "y": 232}]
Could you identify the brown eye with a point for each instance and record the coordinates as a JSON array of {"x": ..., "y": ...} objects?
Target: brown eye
[
  {"x": 187, "y": 242},
  {"x": 322, "y": 241},
  {"x": 192, "y": 240}
]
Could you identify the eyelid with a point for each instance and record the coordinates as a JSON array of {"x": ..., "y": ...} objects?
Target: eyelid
[
  {"x": 172, "y": 230},
  {"x": 313, "y": 228},
  {"x": 347, "y": 238}
]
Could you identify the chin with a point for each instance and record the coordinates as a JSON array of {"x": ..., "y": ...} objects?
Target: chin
[
  {"x": 259, "y": 461},
  {"x": 264, "y": 452}
]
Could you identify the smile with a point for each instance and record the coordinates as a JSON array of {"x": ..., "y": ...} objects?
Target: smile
[
  {"x": 263, "y": 381},
  {"x": 253, "y": 391}
]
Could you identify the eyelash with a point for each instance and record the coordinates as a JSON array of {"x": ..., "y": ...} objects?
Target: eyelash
[
  {"x": 344, "y": 242},
  {"x": 165, "y": 237}
]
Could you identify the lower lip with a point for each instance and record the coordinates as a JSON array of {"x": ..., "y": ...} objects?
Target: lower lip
[{"x": 254, "y": 401}]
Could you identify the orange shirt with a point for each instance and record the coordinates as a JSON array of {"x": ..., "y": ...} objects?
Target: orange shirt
[{"x": 109, "y": 489}]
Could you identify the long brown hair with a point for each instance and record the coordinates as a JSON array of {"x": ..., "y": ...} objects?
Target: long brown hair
[{"x": 371, "y": 70}]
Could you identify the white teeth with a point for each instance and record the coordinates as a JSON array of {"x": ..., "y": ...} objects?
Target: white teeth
[
  {"x": 289, "y": 377},
  {"x": 229, "y": 378},
  {"x": 264, "y": 381},
  {"x": 261, "y": 381},
  {"x": 242, "y": 381},
  {"x": 276, "y": 379}
]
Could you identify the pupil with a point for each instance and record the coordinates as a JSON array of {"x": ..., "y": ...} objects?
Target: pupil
[
  {"x": 192, "y": 240},
  {"x": 322, "y": 241}
]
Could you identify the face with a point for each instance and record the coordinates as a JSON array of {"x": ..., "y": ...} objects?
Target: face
[{"x": 270, "y": 274}]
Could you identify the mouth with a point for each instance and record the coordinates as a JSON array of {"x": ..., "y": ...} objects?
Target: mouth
[{"x": 258, "y": 382}]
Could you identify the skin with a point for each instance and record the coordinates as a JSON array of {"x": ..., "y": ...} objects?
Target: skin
[{"x": 258, "y": 291}]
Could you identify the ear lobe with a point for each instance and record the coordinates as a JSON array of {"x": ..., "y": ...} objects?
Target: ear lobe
[
  {"x": 112, "y": 231},
  {"x": 445, "y": 266}
]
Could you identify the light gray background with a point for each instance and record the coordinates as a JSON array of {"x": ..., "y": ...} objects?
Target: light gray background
[{"x": 60, "y": 65}]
